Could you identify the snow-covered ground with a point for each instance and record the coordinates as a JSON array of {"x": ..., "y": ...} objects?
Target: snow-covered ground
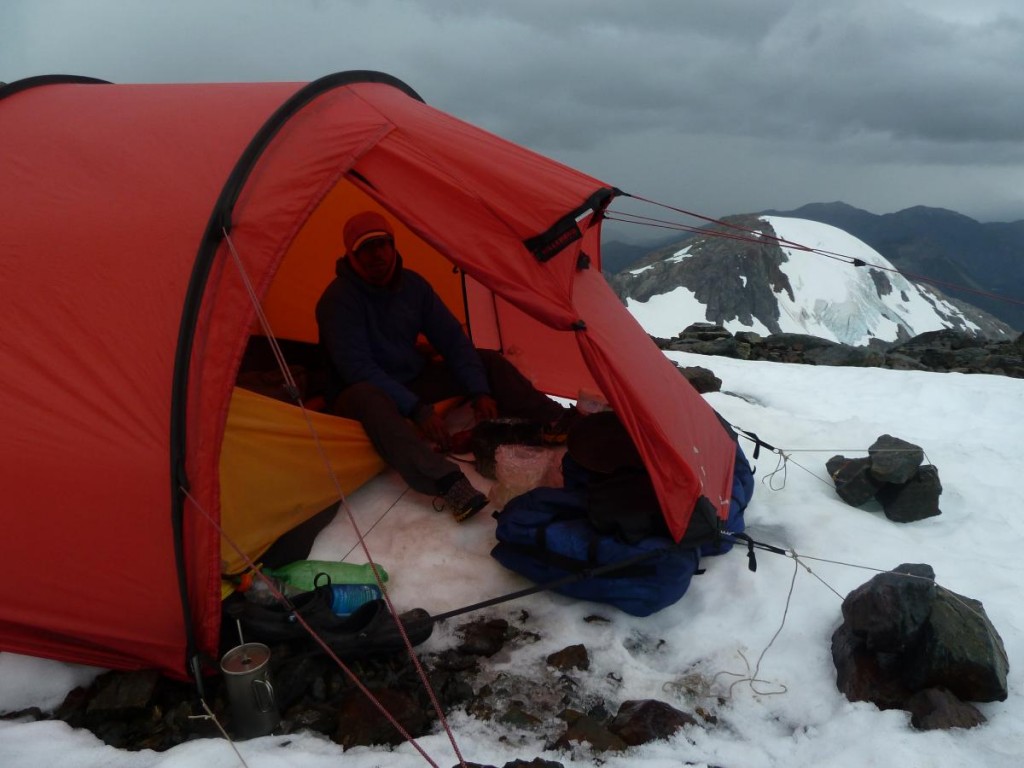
[{"x": 969, "y": 427}]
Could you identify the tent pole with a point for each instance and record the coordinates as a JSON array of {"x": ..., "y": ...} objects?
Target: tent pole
[{"x": 589, "y": 573}]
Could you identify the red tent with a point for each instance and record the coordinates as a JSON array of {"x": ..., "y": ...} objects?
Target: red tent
[{"x": 126, "y": 316}]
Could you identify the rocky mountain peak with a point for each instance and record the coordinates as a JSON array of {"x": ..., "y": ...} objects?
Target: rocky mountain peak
[{"x": 739, "y": 275}]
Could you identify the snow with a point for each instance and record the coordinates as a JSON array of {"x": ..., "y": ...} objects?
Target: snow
[
  {"x": 675, "y": 258},
  {"x": 678, "y": 256},
  {"x": 725, "y": 624},
  {"x": 844, "y": 303}
]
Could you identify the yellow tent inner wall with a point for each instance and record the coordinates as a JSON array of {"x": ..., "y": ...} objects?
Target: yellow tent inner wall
[{"x": 272, "y": 474}]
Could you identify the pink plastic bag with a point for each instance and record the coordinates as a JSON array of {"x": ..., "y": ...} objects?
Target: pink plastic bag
[{"x": 521, "y": 468}]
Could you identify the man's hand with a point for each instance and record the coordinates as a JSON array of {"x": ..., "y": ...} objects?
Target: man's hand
[
  {"x": 485, "y": 408},
  {"x": 433, "y": 428}
]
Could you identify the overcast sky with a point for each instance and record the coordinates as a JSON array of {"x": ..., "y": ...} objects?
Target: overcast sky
[{"x": 717, "y": 106}]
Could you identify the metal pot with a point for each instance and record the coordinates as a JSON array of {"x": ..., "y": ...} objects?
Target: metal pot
[{"x": 246, "y": 671}]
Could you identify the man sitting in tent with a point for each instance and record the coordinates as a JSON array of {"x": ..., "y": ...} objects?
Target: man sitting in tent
[{"x": 370, "y": 318}]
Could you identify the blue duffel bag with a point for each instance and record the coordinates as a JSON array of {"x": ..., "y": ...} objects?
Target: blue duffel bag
[
  {"x": 544, "y": 535},
  {"x": 547, "y": 536}
]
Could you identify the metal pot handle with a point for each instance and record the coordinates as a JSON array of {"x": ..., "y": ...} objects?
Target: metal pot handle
[{"x": 263, "y": 692}]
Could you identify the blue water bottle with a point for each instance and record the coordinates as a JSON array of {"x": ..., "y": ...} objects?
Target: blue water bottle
[{"x": 348, "y": 597}]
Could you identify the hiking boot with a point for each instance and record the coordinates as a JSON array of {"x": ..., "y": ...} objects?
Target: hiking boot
[
  {"x": 373, "y": 631},
  {"x": 461, "y": 499},
  {"x": 277, "y": 623},
  {"x": 369, "y": 631}
]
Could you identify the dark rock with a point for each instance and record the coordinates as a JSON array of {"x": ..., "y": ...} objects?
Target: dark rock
[
  {"x": 853, "y": 479},
  {"x": 573, "y": 657},
  {"x": 518, "y": 716},
  {"x": 325, "y": 699},
  {"x": 295, "y": 677},
  {"x": 361, "y": 724},
  {"x": 885, "y": 653},
  {"x": 30, "y": 713},
  {"x": 900, "y": 362},
  {"x": 894, "y": 460},
  {"x": 484, "y": 637},
  {"x": 727, "y": 347},
  {"x": 72, "y": 709},
  {"x": 122, "y": 693},
  {"x": 452, "y": 688},
  {"x": 888, "y": 612},
  {"x": 704, "y": 332},
  {"x": 962, "y": 651},
  {"x": 482, "y": 707},
  {"x": 799, "y": 342},
  {"x": 936, "y": 708},
  {"x": 591, "y": 731},
  {"x": 946, "y": 350},
  {"x": 638, "y": 722},
  {"x": 971, "y": 358},
  {"x": 320, "y": 718},
  {"x": 843, "y": 355},
  {"x": 453, "y": 661},
  {"x": 941, "y": 359},
  {"x": 942, "y": 339},
  {"x": 1005, "y": 365},
  {"x": 702, "y": 379},
  {"x": 916, "y": 499},
  {"x": 865, "y": 676},
  {"x": 537, "y": 762}
]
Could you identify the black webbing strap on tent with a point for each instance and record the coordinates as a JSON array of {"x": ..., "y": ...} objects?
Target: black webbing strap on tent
[
  {"x": 752, "y": 545},
  {"x": 566, "y": 230},
  {"x": 758, "y": 442}
]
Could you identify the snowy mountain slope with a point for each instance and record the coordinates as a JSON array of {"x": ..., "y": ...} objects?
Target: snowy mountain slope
[{"x": 771, "y": 288}]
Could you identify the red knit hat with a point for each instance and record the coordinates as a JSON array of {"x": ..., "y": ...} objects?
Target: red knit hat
[{"x": 366, "y": 226}]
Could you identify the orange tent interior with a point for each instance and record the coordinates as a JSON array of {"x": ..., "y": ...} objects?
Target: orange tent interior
[{"x": 272, "y": 472}]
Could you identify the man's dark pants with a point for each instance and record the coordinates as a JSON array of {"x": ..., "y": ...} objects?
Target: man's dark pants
[{"x": 397, "y": 440}]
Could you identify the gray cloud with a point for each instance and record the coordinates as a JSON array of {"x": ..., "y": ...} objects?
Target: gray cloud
[{"x": 719, "y": 107}]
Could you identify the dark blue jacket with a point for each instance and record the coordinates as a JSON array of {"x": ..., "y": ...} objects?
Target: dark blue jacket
[{"x": 369, "y": 333}]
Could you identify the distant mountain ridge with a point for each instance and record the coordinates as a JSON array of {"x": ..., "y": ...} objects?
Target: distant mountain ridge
[{"x": 758, "y": 284}]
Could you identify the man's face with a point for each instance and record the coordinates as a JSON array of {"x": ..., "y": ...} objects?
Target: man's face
[{"x": 374, "y": 260}]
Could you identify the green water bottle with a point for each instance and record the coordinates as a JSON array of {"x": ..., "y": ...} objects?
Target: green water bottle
[{"x": 302, "y": 573}]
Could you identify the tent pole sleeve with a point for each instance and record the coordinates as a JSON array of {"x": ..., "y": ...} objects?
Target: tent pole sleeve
[{"x": 9, "y": 89}]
